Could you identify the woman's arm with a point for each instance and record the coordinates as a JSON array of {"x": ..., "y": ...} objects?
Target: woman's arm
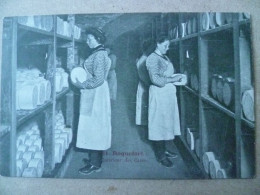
[
  {"x": 156, "y": 75},
  {"x": 99, "y": 64}
]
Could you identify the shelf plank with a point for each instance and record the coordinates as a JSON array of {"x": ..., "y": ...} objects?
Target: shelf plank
[
  {"x": 248, "y": 123},
  {"x": 245, "y": 21},
  {"x": 194, "y": 156},
  {"x": 4, "y": 130},
  {"x": 175, "y": 41},
  {"x": 189, "y": 36},
  {"x": 62, "y": 93},
  {"x": 34, "y": 30},
  {"x": 217, "y": 29},
  {"x": 24, "y": 115},
  {"x": 217, "y": 105},
  {"x": 191, "y": 90},
  {"x": 63, "y": 38}
]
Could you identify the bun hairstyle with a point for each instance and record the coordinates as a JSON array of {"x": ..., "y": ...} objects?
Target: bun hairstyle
[
  {"x": 97, "y": 33},
  {"x": 148, "y": 46},
  {"x": 161, "y": 38}
]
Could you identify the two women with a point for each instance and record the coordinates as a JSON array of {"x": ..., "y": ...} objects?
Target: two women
[
  {"x": 163, "y": 117},
  {"x": 94, "y": 128}
]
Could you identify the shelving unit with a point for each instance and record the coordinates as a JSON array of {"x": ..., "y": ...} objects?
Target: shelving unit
[
  {"x": 18, "y": 38},
  {"x": 217, "y": 51}
]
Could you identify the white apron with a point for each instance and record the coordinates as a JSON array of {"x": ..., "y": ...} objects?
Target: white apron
[
  {"x": 164, "y": 122},
  {"x": 141, "y": 117},
  {"x": 94, "y": 128}
]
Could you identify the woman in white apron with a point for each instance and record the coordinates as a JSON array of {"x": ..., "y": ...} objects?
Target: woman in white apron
[
  {"x": 94, "y": 128},
  {"x": 142, "y": 95},
  {"x": 163, "y": 119}
]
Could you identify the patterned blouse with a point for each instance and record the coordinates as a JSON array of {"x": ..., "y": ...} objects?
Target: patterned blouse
[
  {"x": 98, "y": 65},
  {"x": 156, "y": 66}
]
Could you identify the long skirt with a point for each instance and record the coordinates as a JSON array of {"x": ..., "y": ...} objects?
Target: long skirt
[
  {"x": 163, "y": 122},
  {"x": 94, "y": 128}
]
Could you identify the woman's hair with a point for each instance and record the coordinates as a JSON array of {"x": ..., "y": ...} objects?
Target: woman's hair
[
  {"x": 148, "y": 46},
  {"x": 161, "y": 38},
  {"x": 97, "y": 33}
]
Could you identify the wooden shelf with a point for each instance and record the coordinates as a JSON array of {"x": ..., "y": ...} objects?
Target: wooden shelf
[
  {"x": 217, "y": 105},
  {"x": 63, "y": 38},
  {"x": 191, "y": 91},
  {"x": 175, "y": 41},
  {"x": 4, "y": 130},
  {"x": 62, "y": 93},
  {"x": 248, "y": 123},
  {"x": 24, "y": 115},
  {"x": 217, "y": 29},
  {"x": 244, "y": 22},
  {"x": 187, "y": 37},
  {"x": 193, "y": 155},
  {"x": 34, "y": 30}
]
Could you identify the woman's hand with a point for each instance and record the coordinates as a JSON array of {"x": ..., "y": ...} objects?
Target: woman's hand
[
  {"x": 79, "y": 84},
  {"x": 175, "y": 78}
]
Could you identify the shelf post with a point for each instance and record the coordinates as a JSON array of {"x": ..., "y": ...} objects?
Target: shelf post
[{"x": 237, "y": 93}]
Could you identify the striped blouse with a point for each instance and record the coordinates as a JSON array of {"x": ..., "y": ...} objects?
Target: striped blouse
[
  {"x": 98, "y": 65},
  {"x": 156, "y": 66}
]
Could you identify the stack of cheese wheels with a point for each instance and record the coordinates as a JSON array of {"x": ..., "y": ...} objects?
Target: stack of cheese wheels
[
  {"x": 228, "y": 91},
  {"x": 63, "y": 137},
  {"x": 248, "y": 104},
  {"x": 192, "y": 134},
  {"x": 32, "y": 89},
  {"x": 40, "y": 22},
  {"x": 60, "y": 27},
  {"x": 30, "y": 152},
  {"x": 220, "y": 88},
  {"x": 214, "y": 167},
  {"x": 214, "y": 80},
  {"x": 207, "y": 157},
  {"x": 212, "y": 20}
]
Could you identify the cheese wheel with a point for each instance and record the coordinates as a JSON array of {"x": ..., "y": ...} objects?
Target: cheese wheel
[
  {"x": 78, "y": 73},
  {"x": 29, "y": 172},
  {"x": 38, "y": 142},
  {"x": 57, "y": 153},
  {"x": 206, "y": 158},
  {"x": 34, "y": 148},
  {"x": 23, "y": 148},
  {"x": 21, "y": 165},
  {"x": 214, "y": 166},
  {"x": 19, "y": 155},
  {"x": 220, "y": 19},
  {"x": 248, "y": 104},
  {"x": 29, "y": 142},
  {"x": 221, "y": 174},
  {"x": 205, "y": 21},
  {"x": 220, "y": 88},
  {"x": 212, "y": 20},
  {"x": 38, "y": 165},
  {"x": 27, "y": 156},
  {"x": 27, "y": 96}
]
